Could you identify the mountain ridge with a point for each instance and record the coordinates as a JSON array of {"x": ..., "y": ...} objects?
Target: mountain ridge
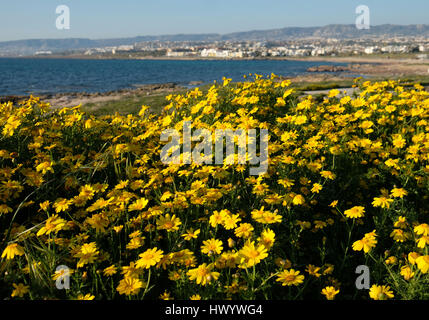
[{"x": 338, "y": 31}]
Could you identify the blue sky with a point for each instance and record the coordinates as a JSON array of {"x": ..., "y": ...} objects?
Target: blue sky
[{"x": 27, "y": 19}]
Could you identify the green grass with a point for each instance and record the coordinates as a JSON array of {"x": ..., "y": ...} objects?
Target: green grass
[
  {"x": 126, "y": 105},
  {"x": 411, "y": 80},
  {"x": 323, "y": 85},
  {"x": 132, "y": 104},
  {"x": 326, "y": 85}
]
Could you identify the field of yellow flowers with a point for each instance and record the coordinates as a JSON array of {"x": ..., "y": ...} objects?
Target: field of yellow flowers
[{"x": 347, "y": 185}]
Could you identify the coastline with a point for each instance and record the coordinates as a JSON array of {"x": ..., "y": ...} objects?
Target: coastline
[
  {"x": 364, "y": 65},
  {"x": 339, "y": 59},
  {"x": 69, "y": 99},
  {"x": 373, "y": 68}
]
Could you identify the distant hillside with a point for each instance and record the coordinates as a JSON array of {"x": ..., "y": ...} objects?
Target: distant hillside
[
  {"x": 25, "y": 47},
  {"x": 338, "y": 31}
]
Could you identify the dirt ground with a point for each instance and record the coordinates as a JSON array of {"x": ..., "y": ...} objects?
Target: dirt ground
[{"x": 380, "y": 66}]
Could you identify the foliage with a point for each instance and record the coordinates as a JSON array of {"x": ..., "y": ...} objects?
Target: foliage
[{"x": 347, "y": 185}]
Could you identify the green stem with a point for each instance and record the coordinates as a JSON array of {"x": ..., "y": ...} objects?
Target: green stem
[{"x": 147, "y": 285}]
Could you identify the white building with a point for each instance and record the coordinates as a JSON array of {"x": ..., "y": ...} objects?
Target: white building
[
  {"x": 126, "y": 48},
  {"x": 215, "y": 53},
  {"x": 175, "y": 53},
  {"x": 370, "y": 50},
  {"x": 318, "y": 52},
  {"x": 42, "y": 53}
]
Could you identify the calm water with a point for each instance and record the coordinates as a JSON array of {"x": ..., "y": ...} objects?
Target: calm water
[{"x": 45, "y": 76}]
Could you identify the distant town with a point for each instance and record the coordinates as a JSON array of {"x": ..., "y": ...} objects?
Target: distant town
[{"x": 254, "y": 49}]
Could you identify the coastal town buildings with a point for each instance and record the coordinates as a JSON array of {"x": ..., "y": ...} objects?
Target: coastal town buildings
[{"x": 254, "y": 49}]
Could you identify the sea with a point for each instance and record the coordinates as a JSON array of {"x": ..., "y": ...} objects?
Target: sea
[{"x": 24, "y": 76}]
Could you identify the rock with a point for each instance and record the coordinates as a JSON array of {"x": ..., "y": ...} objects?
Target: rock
[
  {"x": 13, "y": 99},
  {"x": 74, "y": 98},
  {"x": 326, "y": 68},
  {"x": 195, "y": 83},
  {"x": 155, "y": 86}
]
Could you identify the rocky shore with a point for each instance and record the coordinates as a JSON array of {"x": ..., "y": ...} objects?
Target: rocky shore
[
  {"x": 352, "y": 67},
  {"x": 69, "y": 99},
  {"x": 365, "y": 66},
  {"x": 327, "y": 68}
]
